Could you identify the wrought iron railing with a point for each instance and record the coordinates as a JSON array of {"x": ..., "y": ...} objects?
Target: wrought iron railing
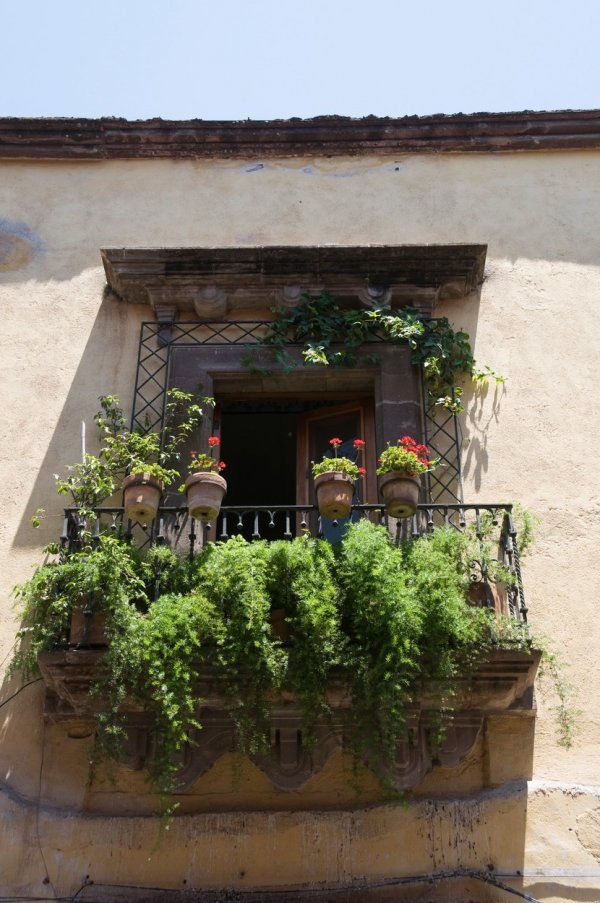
[
  {"x": 496, "y": 578},
  {"x": 159, "y": 340}
]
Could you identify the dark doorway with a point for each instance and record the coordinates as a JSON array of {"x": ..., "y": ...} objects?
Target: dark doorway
[
  {"x": 258, "y": 445},
  {"x": 259, "y": 448},
  {"x": 268, "y": 446}
]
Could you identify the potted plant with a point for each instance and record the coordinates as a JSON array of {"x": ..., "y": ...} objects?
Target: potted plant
[
  {"x": 400, "y": 469},
  {"x": 334, "y": 481},
  {"x": 204, "y": 487},
  {"x": 147, "y": 459}
]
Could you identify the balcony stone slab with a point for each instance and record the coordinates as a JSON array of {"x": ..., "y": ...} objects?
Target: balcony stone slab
[{"x": 502, "y": 684}]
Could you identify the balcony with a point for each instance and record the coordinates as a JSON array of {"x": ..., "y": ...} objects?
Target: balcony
[
  {"x": 502, "y": 683},
  {"x": 492, "y": 524}
]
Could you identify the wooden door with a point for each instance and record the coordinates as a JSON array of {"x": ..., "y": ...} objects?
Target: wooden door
[{"x": 349, "y": 421}]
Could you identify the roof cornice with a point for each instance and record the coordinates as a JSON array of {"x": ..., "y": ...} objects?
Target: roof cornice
[{"x": 122, "y": 139}]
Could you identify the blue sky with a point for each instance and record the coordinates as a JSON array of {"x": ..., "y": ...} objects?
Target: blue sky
[{"x": 266, "y": 59}]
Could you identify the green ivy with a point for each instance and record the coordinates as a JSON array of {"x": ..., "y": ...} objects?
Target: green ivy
[{"x": 333, "y": 336}]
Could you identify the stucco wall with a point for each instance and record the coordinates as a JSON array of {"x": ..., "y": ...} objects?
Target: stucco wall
[{"x": 531, "y": 440}]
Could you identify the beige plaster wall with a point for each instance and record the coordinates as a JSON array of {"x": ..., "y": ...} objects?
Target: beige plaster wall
[{"x": 533, "y": 440}]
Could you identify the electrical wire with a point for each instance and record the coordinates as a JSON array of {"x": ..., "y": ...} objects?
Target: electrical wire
[
  {"x": 20, "y": 690},
  {"x": 264, "y": 895}
]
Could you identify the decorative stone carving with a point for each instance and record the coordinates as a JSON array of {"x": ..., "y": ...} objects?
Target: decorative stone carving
[
  {"x": 210, "y": 303},
  {"x": 249, "y": 275},
  {"x": 412, "y": 760},
  {"x": 374, "y": 295},
  {"x": 165, "y": 313},
  {"x": 459, "y": 738},
  {"x": 504, "y": 682},
  {"x": 288, "y": 296},
  {"x": 289, "y": 764},
  {"x": 206, "y": 746}
]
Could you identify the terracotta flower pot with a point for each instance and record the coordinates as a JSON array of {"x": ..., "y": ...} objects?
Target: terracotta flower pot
[
  {"x": 204, "y": 491},
  {"x": 400, "y": 491},
  {"x": 335, "y": 492},
  {"x": 489, "y": 595},
  {"x": 87, "y": 626},
  {"x": 141, "y": 497}
]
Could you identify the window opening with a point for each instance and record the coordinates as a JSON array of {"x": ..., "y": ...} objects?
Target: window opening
[
  {"x": 268, "y": 446},
  {"x": 158, "y": 341}
]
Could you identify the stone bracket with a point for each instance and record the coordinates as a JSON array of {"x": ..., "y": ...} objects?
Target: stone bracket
[{"x": 503, "y": 684}]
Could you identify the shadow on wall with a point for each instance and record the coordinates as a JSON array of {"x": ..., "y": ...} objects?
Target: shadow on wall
[
  {"x": 107, "y": 365},
  {"x": 480, "y": 412}
]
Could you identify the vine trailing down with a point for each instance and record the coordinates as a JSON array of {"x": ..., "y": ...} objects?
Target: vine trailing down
[
  {"x": 383, "y": 620},
  {"x": 332, "y": 336}
]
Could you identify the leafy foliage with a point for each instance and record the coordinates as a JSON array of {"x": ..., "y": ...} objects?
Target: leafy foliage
[
  {"x": 127, "y": 451},
  {"x": 383, "y": 620},
  {"x": 337, "y": 465},
  {"x": 233, "y": 576},
  {"x": 332, "y": 336},
  {"x": 123, "y": 451},
  {"x": 301, "y": 579},
  {"x": 111, "y": 575},
  {"x": 406, "y": 455},
  {"x": 340, "y": 463}
]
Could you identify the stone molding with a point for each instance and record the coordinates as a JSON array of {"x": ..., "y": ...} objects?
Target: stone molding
[
  {"x": 503, "y": 684},
  {"x": 121, "y": 139},
  {"x": 213, "y": 282}
]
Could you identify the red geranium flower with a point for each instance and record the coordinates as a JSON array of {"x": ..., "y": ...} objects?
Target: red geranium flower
[
  {"x": 359, "y": 443},
  {"x": 335, "y": 442},
  {"x": 213, "y": 440}
]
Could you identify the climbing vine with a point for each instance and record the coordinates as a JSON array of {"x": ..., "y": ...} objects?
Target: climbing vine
[{"x": 333, "y": 336}]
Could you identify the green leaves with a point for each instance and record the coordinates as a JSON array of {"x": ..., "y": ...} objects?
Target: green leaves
[
  {"x": 123, "y": 451},
  {"x": 333, "y": 337},
  {"x": 382, "y": 619}
]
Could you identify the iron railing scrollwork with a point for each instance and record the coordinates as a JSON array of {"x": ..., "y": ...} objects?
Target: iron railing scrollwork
[{"x": 494, "y": 567}]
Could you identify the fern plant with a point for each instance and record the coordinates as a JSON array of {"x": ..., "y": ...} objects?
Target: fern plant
[{"x": 385, "y": 621}]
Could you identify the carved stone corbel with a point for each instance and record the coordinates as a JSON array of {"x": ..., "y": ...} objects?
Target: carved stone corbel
[
  {"x": 289, "y": 764},
  {"x": 288, "y": 296},
  {"x": 459, "y": 738},
  {"x": 165, "y": 315},
  {"x": 412, "y": 760},
  {"x": 211, "y": 303},
  {"x": 375, "y": 295},
  {"x": 206, "y": 746}
]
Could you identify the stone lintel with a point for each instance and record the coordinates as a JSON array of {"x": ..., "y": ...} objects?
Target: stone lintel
[{"x": 212, "y": 282}]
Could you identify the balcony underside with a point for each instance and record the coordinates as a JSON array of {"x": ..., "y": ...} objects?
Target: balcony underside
[{"x": 504, "y": 684}]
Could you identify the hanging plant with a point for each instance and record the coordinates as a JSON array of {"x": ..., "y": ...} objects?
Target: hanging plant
[
  {"x": 386, "y": 621},
  {"x": 332, "y": 336},
  {"x": 302, "y": 580}
]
